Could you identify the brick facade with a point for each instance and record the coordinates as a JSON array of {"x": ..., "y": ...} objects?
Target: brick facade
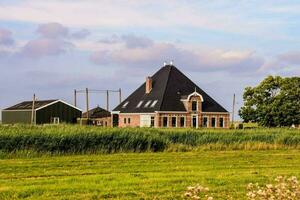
[{"x": 193, "y": 117}]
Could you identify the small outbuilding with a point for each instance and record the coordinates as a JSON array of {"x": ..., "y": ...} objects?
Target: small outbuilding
[
  {"x": 44, "y": 112},
  {"x": 97, "y": 117}
]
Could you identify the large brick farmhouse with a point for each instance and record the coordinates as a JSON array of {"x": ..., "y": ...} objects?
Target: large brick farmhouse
[{"x": 170, "y": 99}]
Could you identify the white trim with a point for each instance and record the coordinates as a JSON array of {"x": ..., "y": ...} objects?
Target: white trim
[
  {"x": 196, "y": 106},
  {"x": 166, "y": 112},
  {"x": 184, "y": 124},
  {"x": 139, "y": 104},
  {"x": 195, "y": 94},
  {"x": 153, "y": 103},
  {"x": 215, "y": 112},
  {"x": 125, "y": 104},
  {"x": 207, "y": 122},
  {"x": 115, "y": 112},
  {"x": 197, "y": 120},
  {"x": 167, "y": 121},
  {"x": 49, "y": 104},
  {"x": 17, "y": 110},
  {"x": 135, "y": 113}
]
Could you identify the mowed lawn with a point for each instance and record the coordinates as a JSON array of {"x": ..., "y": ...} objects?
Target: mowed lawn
[{"x": 142, "y": 175}]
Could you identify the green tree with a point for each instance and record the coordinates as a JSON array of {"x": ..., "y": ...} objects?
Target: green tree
[{"x": 274, "y": 102}]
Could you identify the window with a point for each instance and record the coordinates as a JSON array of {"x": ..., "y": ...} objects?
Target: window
[
  {"x": 221, "y": 122},
  {"x": 147, "y": 104},
  {"x": 182, "y": 121},
  {"x": 128, "y": 120},
  {"x": 213, "y": 122},
  {"x": 154, "y": 103},
  {"x": 194, "y": 105},
  {"x": 125, "y": 104},
  {"x": 204, "y": 122},
  {"x": 165, "y": 121},
  {"x": 174, "y": 123},
  {"x": 124, "y": 120},
  {"x": 139, "y": 104},
  {"x": 55, "y": 120},
  {"x": 152, "y": 121}
]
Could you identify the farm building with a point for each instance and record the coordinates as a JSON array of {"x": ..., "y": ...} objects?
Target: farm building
[
  {"x": 170, "y": 99},
  {"x": 97, "y": 117},
  {"x": 44, "y": 112}
]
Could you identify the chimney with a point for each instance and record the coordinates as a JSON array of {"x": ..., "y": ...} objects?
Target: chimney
[{"x": 148, "y": 84}]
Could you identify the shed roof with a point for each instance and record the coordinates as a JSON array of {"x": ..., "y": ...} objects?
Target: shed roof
[
  {"x": 39, "y": 104},
  {"x": 97, "y": 113}
]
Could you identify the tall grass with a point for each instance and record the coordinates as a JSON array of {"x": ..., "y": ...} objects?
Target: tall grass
[{"x": 82, "y": 139}]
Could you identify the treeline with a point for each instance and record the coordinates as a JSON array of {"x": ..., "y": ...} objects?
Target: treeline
[{"x": 80, "y": 139}]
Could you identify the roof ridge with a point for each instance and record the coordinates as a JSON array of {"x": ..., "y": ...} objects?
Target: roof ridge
[{"x": 163, "y": 95}]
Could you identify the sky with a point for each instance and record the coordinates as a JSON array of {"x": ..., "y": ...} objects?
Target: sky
[{"x": 52, "y": 47}]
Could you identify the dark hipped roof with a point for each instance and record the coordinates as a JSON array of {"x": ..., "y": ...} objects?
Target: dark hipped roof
[
  {"x": 97, "y": 113},
  {"x": 27, "y": 105},
  {"x": 169, "y": 86}
]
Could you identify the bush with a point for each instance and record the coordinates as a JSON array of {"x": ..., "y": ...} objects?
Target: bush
[{"x": 84, "y": 139}]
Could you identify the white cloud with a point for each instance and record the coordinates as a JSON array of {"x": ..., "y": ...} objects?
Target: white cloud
[
  {"x": 53, "y": 30},
  {"x": 231, "y": 17},
  {"x": 193, "y": 59}
]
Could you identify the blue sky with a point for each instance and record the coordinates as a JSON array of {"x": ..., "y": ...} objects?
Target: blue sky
[{"x": 52, "y": 47}]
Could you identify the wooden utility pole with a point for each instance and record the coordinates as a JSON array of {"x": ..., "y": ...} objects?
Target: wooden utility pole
[
  {"x": 33, "y": 110},
  {"x": 87, "y": 102},
  {"x": 233, "y": 107},
  {"x": 107, "y": 100},
  {"x": 120, "y": 95},
  {"x": 75, "y": 98}
]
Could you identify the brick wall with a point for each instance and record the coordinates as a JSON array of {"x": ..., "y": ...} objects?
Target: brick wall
[{"x": 134, "y": 120}]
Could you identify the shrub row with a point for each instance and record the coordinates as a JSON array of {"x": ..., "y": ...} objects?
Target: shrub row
[{"x": 80, "y": 139}]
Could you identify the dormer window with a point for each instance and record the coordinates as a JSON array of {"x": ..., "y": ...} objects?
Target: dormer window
[
  {"x": 147, "y": 104},
  {"x": 154, "y": 103},
  {"x": 194, "y": 105},
  {"x": 125, "y": 104},
  {"x": 139, "y": 104}
]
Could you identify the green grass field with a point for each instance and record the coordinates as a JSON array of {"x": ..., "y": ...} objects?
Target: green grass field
[{"x": 142, "y": 175}]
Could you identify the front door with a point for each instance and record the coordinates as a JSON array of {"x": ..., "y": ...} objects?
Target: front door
[{"x": 195, "y": 121}]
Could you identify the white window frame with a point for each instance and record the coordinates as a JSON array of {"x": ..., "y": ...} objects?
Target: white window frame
[
  {"x": 167, "y": 121},
  {"x": 147, "y": 104},
  {"x": 154, "y": 103},
  {"x": 207, "y": 122},
  {"x": 215, "y": 122},
  {"x": 140, "y": 104},
  {"x": 197, "y": 120},
  {"x": 55, "y": 120},
  {"x": 125, "y": 104},
  {"x": 196, "y": 105},
  {"x": 175, "y": 122},
  {"x": 184, "y": 121}
]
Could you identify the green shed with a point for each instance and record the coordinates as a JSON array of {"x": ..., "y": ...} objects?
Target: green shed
[{"x": 44, "y": 112}]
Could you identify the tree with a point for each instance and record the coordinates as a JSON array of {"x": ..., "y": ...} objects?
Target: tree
[{"x": 274, "y": 102}]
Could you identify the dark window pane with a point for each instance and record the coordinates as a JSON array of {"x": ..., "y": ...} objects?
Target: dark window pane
[
  {"x": 213, "y": 122},
  {"x": 128, "y": 120},
  {"x": 194, "y": 106},
  {"x": 124, "y": 120},
  {"x": 173, "y": 121},
  {"x": 182, "y": 121},
  {"x": 221, "y": 122},
  {"x": 165, "y": 121},
  {"x": 204, "y": 124}
]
